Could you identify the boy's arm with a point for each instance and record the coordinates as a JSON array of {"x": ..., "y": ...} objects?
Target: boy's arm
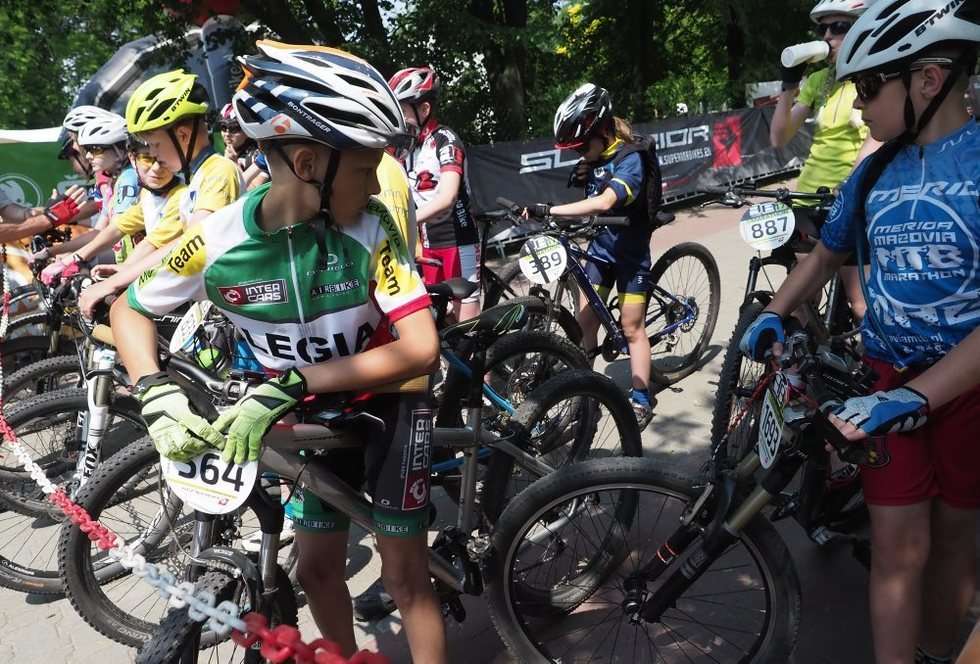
[
  {"x": 444, "y": 199},
  {"x": 414, "y": 353},
  {"x": 104, "y": 239}
]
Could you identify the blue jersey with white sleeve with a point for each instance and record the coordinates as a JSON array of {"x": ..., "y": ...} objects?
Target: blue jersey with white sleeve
[{"x": 923, "y": 246}]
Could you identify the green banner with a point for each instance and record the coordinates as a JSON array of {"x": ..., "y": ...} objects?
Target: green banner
[{"x": 29, "y": 171}]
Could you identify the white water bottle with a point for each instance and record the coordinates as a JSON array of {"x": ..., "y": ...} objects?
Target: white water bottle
[{"x": 798, "y": 54}]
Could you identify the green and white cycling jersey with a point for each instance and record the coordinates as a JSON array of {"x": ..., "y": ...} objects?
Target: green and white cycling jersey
[{"x": 295, "y": 305}]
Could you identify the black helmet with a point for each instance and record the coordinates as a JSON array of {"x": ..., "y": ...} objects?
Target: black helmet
[{"x": 581, "y": 114}]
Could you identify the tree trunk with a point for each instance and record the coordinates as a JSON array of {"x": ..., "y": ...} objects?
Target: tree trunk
[
  {"x": 276, "y": 15},
  {"x": 506, "y": 61},
  {"x": 324, "y": 14},
  {"x": 735, "y": 48}
]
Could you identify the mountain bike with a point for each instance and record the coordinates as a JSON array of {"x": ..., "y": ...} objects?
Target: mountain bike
[
  {"x": 677, "y": 568},
  {"x": 780, "y": 231},
  {"x": 574, "y": 415},
  {"x": 682, "y": 302}
]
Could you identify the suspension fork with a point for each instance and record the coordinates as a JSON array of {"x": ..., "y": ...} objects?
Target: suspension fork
[
  {"x": 717, "y": 540},
  {"x": 92, "y": 424}
]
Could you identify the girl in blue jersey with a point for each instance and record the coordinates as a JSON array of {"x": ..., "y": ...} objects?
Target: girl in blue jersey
[
  {"x": 614, "y": 176},
  {"x": 912, "y": 212}
]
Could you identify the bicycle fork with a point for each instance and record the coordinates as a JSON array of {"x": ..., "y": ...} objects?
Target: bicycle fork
[
  {"x": 92, "y": 423},
  {"x": 717, "y": 538}
]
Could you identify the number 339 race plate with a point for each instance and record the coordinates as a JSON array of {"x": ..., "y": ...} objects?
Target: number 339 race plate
[{"x": 209, "y": 484}]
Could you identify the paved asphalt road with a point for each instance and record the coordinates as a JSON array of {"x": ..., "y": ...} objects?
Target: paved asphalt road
[{"x": 834, "y": 626}]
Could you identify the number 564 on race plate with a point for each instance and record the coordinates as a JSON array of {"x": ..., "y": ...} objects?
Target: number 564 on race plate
[{"x": 209, "y": 484}]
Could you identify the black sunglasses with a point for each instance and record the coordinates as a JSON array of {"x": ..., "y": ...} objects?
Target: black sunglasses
[
  {"x": 837, "y": 28},
  {"x": 869, "y": 85}
]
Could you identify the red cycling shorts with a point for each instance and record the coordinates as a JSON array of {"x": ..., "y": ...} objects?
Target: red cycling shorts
[
  {"x": 462, "y": 261},
  {"x": 940, "y": 459}
]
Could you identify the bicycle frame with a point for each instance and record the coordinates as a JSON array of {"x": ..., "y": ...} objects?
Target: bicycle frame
[{"x": 605, "y": 316}]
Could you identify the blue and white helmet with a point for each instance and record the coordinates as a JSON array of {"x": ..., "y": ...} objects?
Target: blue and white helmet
[{"x": 319, "y": 94}]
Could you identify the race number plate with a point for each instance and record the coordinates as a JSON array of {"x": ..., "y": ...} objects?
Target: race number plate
[
  {"x": 543, "y": 259},
  {"x": 771, "y": 422},
  {"x": 209, "y": 484},
  {"x": 183, "y": 336},
  {"x": 767, "y": 226}
]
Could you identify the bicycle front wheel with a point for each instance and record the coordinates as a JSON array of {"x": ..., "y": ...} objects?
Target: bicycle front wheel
[
  {"x": 178, "y": 639},
  {"x": 566, "y": 547},
  {"x": 682, "y": 309}
]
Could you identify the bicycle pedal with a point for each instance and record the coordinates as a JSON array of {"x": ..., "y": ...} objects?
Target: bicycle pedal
[{"x": 786, "y": 505}]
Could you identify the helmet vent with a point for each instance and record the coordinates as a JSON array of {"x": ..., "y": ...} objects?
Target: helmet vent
[
  {"x": 899, "y": 31},
  {"x": 891, "y": 9}
]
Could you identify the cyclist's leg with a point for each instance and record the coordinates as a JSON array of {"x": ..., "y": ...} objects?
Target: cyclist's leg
[
  {"x": 950, "y": 574},
  {"x": 633, "y": 317},
  {"x": 601, "y": 277},
  {"x": 937, "y": 462},
  {"x": 899, "y": 551},
  {"x": 950, "y": 577},
  {"x": 469, "y": 269},
  {"x": 633, "y": 284},
  {"x": 321, "y": 564},
  {"x": 398, "y": 463}
]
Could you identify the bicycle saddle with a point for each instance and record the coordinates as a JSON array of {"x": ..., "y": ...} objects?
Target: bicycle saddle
[
  {"x": 456, "y": 288},
  {"x": 497, "y": 320}
]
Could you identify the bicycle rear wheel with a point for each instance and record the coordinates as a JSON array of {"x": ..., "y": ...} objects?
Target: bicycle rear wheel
[
  {"x": 554, "y": 542},
  {"x": 684, "y": 277}
]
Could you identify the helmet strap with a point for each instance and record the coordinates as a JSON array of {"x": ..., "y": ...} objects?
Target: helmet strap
[
  {"x": 913, "y": 128},
  {"x": 326, "y": 186},
  {"x": 185, "y": 155}
]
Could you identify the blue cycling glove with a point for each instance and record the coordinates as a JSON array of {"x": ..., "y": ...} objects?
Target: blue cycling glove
[
  {"x": 901, "y": 409},
  {"x": 764, "y": 331}
]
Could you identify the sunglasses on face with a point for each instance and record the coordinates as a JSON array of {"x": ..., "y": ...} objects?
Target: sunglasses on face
[
  {"x": 144, "y": 160},
  {"x": 96, "y": 150},
  {"x": 230, "y": 128},
  {"x": 837, "y": 28},
  {"x": 869, "y": 85}
]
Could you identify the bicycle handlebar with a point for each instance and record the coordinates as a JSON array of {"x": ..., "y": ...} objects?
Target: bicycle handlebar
[{"x": 513, "y": 210}]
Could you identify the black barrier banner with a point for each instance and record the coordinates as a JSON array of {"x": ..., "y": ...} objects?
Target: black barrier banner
[{"x": 694, "y": 152}]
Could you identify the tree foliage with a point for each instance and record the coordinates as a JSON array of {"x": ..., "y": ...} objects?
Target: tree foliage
[{"x": 505, "y": 64}]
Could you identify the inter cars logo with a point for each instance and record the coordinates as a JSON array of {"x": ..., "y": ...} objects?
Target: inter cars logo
[{"x": 260, "y": 292}]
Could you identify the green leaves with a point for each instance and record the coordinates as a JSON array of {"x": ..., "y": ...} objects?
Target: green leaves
[{"x": 505, "y": 64}]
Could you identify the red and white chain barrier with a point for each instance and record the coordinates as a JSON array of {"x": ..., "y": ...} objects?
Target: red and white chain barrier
[{"x": 278, "y": 644}]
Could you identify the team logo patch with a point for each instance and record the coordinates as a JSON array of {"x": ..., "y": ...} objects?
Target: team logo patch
[
  {"x": 878, "y": 454},
  {"x": 188, "y": 257},
  {"x": 281, "y": 124},
  {"x": 259, "y": 292},
  {"x": 415, "y": 464}
]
